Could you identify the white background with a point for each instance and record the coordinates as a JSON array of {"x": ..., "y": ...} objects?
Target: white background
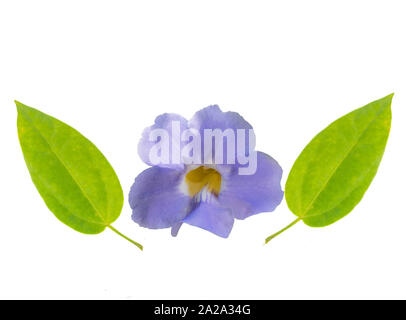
[{"x": 289, "y": 67}]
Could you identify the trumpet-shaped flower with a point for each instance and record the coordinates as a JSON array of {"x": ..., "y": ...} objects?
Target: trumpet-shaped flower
[{"x": 205, "y": 172}]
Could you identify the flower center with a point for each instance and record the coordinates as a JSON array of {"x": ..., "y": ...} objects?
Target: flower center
[{"x": 202, "y": 177}]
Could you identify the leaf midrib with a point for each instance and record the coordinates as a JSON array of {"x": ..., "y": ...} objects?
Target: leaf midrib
[
  {"x": 336, "y": 168},
  {"x": 69, "y": 172}
]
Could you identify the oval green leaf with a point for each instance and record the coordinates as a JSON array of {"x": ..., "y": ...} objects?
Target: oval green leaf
[
  {"x": 332, "y": 173},
  {"x": 73, "y": 177}
]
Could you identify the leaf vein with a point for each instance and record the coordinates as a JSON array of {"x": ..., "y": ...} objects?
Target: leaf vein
[
  {"x": 336, "y": 168},
  {"x": 66, "y": 168}
]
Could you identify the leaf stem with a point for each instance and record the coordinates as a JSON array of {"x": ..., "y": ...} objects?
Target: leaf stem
[
  {"x": 282, "y": 230},
  {"x": 125, "y": 237}
]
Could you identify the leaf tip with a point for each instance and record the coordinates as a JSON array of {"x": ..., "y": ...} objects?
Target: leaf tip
[
  {"x": 19, "y": 105},
  {"x": 387, "y": 101},
  {"x": 388, "y": 98}
]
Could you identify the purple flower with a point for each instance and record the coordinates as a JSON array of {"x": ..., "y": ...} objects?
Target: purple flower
[{"x": 189, "y": 182}]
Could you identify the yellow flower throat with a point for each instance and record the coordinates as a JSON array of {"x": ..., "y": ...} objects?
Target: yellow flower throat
[{"x": 202, "y": 177}]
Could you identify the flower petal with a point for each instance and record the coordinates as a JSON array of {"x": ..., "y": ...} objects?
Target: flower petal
[
  {"x": 211, "y": 217},
  {"x": 213, "y": 118},
  {"x": 247, "y": 195},
  {"x": 164, "y": 121},
  {"x": 156, "y": 200}
]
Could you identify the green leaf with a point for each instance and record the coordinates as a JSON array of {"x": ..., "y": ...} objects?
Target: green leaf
[
  {"x": 331, "y": 175},
  {"x": 73, "y": 177}
]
